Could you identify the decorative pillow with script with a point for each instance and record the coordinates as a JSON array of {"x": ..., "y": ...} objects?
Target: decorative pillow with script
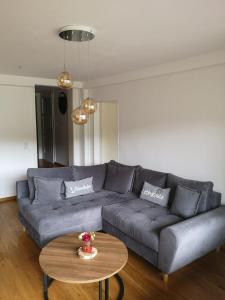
[
  {"x": 155, "y": 194},
  {"x": 79, "y": 187}
]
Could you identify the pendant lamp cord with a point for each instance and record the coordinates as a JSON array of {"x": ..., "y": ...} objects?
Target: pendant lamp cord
[
  {"x": 78, "y": 72},
  {"x": 64, "y": 52},
  {"x": 88, "y": 79}
]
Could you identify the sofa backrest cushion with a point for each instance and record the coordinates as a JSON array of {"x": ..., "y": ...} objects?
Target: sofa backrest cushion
[
  {"x": 47, "y": 189},
  {"x": 65, "y": 173},
  {"x": 153, "y": 177},
  {"x": 119, "y": 179},
  {"x": 215, "y": 199},
  {"x": 115, "y": 163},
  {"x": 98, "y": 172},
  {"x": 204, "y": 187}
]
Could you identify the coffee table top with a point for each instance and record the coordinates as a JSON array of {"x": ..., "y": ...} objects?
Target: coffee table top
[{"x": 59, "y": 260}]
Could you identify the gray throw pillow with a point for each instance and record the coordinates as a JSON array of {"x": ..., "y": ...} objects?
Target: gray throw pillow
[
  {"x": 47, "y": 189},
  {"x": 186, "y": 202},
  {"x": 119, "y": 179},
  {"x": 65, "y": 173},
  {"x": 205, "y": 187},
  {"x": 79, "y": 187},
  {"x": 155, "y": 194}
]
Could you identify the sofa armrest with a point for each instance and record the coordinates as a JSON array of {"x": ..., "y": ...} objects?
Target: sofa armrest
[
  {"x": 22, "y": 189},
  {"x": 184, "y": 242}
]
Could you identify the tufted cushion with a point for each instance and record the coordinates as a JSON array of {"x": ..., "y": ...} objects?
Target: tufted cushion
[
  {"x": 51, "y": 218},
  {"x": 140, "y": 219}
]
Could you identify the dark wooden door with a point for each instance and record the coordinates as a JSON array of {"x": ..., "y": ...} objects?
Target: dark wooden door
[{"x": 47, "y": 127}]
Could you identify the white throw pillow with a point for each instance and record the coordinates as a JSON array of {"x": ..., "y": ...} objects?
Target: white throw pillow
[
  {"x": 79, "y": 187},
  {"x": 155, "y": 194}
]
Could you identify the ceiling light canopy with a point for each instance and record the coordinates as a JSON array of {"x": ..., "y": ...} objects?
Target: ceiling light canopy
[{"x": 77, "y": 33}]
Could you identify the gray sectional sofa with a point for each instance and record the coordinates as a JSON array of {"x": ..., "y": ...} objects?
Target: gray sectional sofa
[{"x": 167, "y": 240}]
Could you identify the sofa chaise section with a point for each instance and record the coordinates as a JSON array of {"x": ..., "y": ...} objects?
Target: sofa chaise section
[
  {"x": 138, "y": 224},
  {"x": 53, "y": 218},
  {"x": 141, "y": 220}
]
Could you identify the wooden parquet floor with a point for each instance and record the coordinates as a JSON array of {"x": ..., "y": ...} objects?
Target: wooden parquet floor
[{"x": 21, "y": 276}]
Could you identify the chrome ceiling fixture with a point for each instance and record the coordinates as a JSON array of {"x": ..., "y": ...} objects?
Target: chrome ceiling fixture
[{"x": 79, "y": 33}]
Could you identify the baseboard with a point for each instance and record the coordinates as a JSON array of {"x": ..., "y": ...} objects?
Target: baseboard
[{"x": 12, "y": 198}]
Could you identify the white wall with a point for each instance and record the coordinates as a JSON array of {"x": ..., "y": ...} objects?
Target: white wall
[
  {"x": 174, "y": 123},
  {"x": 109, "y": 131},
  {"x": 18, "y": 150}
]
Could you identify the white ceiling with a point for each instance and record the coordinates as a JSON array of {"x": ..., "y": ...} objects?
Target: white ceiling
[{"x": 130, "y": 34}]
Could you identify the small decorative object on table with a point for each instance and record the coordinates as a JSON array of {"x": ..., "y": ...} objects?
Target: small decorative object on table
[{"x": 87, "y": 251}]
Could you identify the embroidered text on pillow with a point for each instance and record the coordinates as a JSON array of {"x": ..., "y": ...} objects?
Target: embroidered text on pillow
[
  {"x": 155, "y": 194},
  {"x": 75, "y": 189}
]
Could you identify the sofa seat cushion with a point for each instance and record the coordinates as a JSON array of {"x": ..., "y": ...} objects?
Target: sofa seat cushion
[
  {"x": 50, "y": 217},
  {"x": 140, "y": 219}
]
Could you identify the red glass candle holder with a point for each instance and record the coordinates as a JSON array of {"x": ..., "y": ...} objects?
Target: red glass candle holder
[{"x": 86, "y": 247}]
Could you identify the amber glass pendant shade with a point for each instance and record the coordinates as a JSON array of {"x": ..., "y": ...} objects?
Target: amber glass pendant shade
[
  {"x": 79, "y": 116},
  {"x": 89, "y": 105},
  {"x": 65, "y": 80}
]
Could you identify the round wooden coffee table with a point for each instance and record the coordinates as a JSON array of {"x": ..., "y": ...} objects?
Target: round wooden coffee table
[{"x": 59, "y": 261}]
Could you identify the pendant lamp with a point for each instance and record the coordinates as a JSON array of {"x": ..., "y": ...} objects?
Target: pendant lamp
[
  {"x": 80, "y": 115},
  {"x": 64, "y": 80}
]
